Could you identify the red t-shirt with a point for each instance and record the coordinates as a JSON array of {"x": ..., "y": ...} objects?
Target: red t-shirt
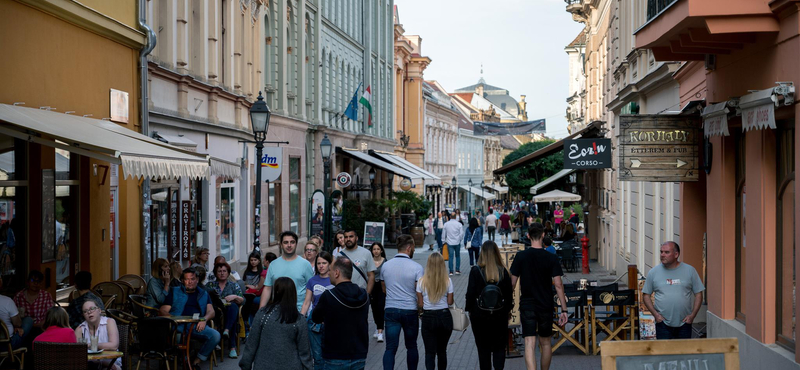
[
  {"x": 254, "y": 291},
  {"x": 57, "y": 334},
  {"x": 505, "y": 221}
]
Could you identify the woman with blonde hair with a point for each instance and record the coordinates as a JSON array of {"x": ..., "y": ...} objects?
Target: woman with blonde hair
[
  {"x": 158, "y": 286},
  {"x": 434, "y": 296},
  {"x": 200, "y": 258},
  {"x": 489, "y": 326}
]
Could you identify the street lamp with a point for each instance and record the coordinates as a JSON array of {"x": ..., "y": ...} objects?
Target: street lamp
[
  {"x": 326, "y": 149},
  {"x": 469, "y": 197},
  {"x": 455, "y": 199},
  {"x": 372, "y": 181},
  {"x": 259, "y": 119},
  {"x": 483, "y": 184}
]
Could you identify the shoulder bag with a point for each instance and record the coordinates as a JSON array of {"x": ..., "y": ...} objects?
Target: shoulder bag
[{"x": 460, "y": 319}]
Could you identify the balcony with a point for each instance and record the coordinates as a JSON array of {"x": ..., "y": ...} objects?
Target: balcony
[
  {"x": 576, "y": 8},
  {"x": 684, "y": 30}
]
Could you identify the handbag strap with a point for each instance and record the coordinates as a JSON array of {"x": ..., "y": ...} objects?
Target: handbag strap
[{"x": 363, "y": 275}]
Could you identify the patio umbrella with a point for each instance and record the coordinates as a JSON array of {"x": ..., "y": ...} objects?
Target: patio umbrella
[{"x": 556, "y": 196}]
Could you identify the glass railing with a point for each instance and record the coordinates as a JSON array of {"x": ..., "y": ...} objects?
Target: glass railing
[{"x": 655, "y": 7}]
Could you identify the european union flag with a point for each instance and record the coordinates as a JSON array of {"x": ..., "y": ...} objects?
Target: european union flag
[{"x": 352, "y": 109}]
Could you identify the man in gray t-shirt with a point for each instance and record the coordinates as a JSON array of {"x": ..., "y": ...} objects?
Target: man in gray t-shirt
[
  {"x": 361, "y": 258},
  {"x": 677, "y": 291}
]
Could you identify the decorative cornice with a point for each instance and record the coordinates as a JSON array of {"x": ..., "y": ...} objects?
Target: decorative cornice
[{"x": 157, "y": 70}]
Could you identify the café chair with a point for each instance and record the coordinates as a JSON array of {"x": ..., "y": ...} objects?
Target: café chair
[
  {"x": 615, "y": 321},
  {"x": 139, "y": 307},
  {"x": 136, "y": 281},
  {"x": 578, "y": 335},
  {"x": 61, "y": 356},
  {"x": 124, "y": 341},
  {"x": 16, "y": 355},
  {"x": 157, "y": 341},
  {"x": 107, "y": 289},
  {"x": 127, "y": 289}
]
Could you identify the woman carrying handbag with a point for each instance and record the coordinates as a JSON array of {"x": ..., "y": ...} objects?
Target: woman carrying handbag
[
  {"x": 434, "y": 295},
  {"x": 472, "y": 240},
  {"x": 489, "y": 306}
]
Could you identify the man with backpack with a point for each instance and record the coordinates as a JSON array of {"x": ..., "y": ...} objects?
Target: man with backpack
[
  {"x": 538, "y": 270},
  {"x": 489, "y": 301}
]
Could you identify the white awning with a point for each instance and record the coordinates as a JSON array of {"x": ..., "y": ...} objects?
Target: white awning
[
  {"x": 139, "y": 155},
  {"x": 758, "y": 108},
  {"x": 223, "y": 168},
  {"x": 556, "y": 196},
  {"x": 551, "y": 179},
  {"x": 715, "y": 120},
  {"x": 477, "y": 191},
  {"x": 381, "y": 164},
  {"x": 178, "y": 140},
  {"x": 430, "y": 179},
  {"x": 497, "y": 188}
]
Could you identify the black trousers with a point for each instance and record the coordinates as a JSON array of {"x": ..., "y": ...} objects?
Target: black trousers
[
  {"x": 437, "y": 326},
  {"x": 378, "y": 302},
  {"x": 491, "y": 335}
]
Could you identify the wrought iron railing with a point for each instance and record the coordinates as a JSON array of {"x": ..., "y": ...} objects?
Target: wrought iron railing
[{"x": 654, "y": 7}]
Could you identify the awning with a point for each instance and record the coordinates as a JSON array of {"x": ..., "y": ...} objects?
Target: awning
[
  {"x": 497, "y": 188},
  {"x": 550, "y": 149},
  {"x": 223, "y": 168},
  {"x": 430, "y": 179},
  {"x": 551, "y": 179},
  {"x": 179, "y": 140},
  {"x": 377, "y": 162},
  {"x": 556, "y": 196},
  {"x": 758, "y": 108},
  {"x": 139, "y": 155},
  {"x": 477, "y": 191},
  {"x": 715, "y": 118}
]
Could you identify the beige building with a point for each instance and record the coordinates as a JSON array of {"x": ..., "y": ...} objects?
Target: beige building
[{"x": 576, "y": 52}]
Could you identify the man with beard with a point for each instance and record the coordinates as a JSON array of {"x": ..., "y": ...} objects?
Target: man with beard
[
  {"x": 187, "y": 300},
  {"x": 362, "y": 260},
  {"x": 400, "y": 276},
  {"x": 288, "y": 265}
]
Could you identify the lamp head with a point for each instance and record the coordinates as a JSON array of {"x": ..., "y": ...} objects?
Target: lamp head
[
  {"x": 326, "y": 148},
  {"x": 259, "y": 117}
]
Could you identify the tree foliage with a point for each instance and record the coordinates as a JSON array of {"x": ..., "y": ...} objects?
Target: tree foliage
[{"x": 520, "y": 180}]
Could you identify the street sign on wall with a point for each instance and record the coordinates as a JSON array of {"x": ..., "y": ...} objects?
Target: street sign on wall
[
  {"x": 271, "y": 163},
  {"x": 582, "y": 154},
  {"x": 659, "y": 148}
]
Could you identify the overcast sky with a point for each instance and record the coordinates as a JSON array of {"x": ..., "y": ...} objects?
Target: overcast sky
[{"x": 519, "y": 42}]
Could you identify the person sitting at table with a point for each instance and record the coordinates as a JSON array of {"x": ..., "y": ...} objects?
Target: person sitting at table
[
  {"x": 34, "y": 301},
  {"x": 56, "y": 327},
  {"x": 569, "y": 232},
  {"x": 9, "y": 315},
  {"x": 231, "y": 295},
  {"x": 548, "y": 245},
  {"x": 233, "y": 276},
  {"x": 103, "y": 327},
  {"x": 83, "y": 284},
  {"x": 158, "y": 286},
  {"x": 187, "y": 300}
]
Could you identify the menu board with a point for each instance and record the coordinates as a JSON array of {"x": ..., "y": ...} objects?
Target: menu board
[{"x": 48, "y": 215}]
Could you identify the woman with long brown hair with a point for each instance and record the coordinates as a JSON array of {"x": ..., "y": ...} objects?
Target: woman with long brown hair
[
  {"x": 434, "y": 296},
  {"x": 489, "y": 326}
]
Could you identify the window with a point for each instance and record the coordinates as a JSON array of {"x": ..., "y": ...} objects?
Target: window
[
  {"x": 786, "y": 267},
  {"x": 227, "y": 219},
  {"x": 65, "y": 215},
  {"x": 274, "y": 222},
  {"x": 294, "y": 194},
  {"x": 741, "y": 197},
  {"x": 13, "y": 206}
]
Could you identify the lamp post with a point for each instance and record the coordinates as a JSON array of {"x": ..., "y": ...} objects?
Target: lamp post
[
  {"x": 483, "y": 183},
  {"x": 326, "y": 149},
  {"x": 259, "y": 119},
  {"x": 455, "y": 200},
  {"x": 372, "y": 181},
  {"x": 469, "y": 198}
]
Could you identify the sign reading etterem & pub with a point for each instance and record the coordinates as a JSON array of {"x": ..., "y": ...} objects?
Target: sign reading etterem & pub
[{"x": 659, "y": 148}]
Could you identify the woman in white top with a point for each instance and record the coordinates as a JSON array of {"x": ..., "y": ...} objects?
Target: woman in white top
[
  {"x": 435, "y": 295},
  {"x": 103, "y": 327},
  {"x": 338, "y": 242}
]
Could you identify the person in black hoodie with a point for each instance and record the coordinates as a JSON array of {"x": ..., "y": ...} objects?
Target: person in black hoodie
[
  {"x": 489, "y": 328},
  {"x": 343, "y": 310}
]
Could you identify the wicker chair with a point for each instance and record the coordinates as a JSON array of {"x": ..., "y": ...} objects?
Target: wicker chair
[
  {"x": 16, "y": 355},
  {"x": 127, "y": 289},
  {"x": 136, "y": 281},
  {"x": 124, "y": 339},
  {"x": 61, "y": 356},
  {"x": 156, "y": 340},
  {"x": 108, "y": 289}
]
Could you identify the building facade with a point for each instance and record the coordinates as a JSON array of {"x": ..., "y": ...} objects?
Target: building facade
[
  {"x": 576, "y": 52},
  {"x": 441, "y": 132}
]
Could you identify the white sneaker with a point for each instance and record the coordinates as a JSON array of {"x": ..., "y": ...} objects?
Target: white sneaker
[
  {"x": 375, "y": 335},
  {"x": 380, "y": 337}
]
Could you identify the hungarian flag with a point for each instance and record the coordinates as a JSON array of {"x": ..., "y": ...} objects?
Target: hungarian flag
[{"x": 365, "y": 101}]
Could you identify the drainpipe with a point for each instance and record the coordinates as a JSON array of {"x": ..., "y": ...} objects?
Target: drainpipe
[{"x": 149, "y": 44}]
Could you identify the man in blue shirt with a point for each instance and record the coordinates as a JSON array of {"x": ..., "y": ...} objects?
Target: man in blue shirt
[
  {"x": 187, "y": 300},
  {"x": 288, "y": 265},
  {"x": 400, "y": 276}
]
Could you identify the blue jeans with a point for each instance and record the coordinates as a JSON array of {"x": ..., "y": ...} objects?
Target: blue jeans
[
  {"x": 455, "y": 254},
  {"x": 210, "y": 340},
  {"x": 473, "y": 251},
  {"x": 407, "y": 320},
  {"x": 315, "y": 337},
  {"x": 344, "y": 364},
  {"x": 663, "y": 331}
]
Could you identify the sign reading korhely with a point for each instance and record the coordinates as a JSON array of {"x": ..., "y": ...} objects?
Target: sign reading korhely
[{"x": 659, "y": 148}]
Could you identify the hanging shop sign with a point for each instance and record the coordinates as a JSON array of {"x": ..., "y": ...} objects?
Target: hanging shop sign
[
  {"x": 580, "y": 154},
  {"x": 271, "y": 163},
  {"x": 344, "y": 180},
  {"x": 174, "y": 246},
  {"x": 758, "y": 107},
  {"x": 659, "y": 148},
  {"x": 406, "y": 184}
]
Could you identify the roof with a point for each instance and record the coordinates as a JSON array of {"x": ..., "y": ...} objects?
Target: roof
[
  {"x": 551, "y": 179},
  {"x": 580, "y": 40},
  {"x": 472, "y": 88},
  {"x": 466, "y": 96},
  {"x": 509, "y": 142},
  {"x": 505, "y": 102}
]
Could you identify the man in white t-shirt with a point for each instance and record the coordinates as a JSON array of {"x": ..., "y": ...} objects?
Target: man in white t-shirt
[
  {"x": 361, "y": 258},
  {"x": 11, "y": 318},
  {"x": 491, "y": 225}
]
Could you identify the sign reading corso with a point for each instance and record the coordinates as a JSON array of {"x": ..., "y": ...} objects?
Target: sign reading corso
[
  {"x": 658, "y": 148},
  {"x": 344, "y": 180},
  {"x": 587, "y": 153}
]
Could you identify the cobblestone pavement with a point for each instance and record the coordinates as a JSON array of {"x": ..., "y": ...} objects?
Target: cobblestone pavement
[{"x": 461, "y": 353}]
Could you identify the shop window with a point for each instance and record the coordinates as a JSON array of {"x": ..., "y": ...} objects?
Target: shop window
[
  {"x": 274, "y": 222},
  {"x": 294, "y": 194},
  {"x": 786, "y": 267},
  {"x": 741, "y": 243},
  {"x": 66, "y": 205},
  {"x": 13, "y": 210},
  {"x": 227, "y": 220}
]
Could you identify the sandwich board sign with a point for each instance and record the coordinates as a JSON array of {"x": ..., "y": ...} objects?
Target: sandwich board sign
[{"x": 699, "y": 354}]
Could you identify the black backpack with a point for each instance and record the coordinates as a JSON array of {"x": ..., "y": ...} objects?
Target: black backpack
[{"x": 491, "y": 297}]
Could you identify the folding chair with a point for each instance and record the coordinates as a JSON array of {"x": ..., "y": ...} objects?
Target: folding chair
[
  {"x": 615, "y": 321},
  {"x": 576, "y": 302}
]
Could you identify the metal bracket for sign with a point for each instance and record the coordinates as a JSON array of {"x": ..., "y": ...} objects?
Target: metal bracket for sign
[{"x": 266, "y": 142}]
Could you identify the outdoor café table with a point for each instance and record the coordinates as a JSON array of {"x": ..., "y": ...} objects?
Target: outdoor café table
[
  {"x": 188, "y": 337},
  {"x": 105, "y": 355}
]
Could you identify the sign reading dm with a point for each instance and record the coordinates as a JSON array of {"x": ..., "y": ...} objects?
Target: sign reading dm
[
  {"x": 658, "y": 148},
  {"x": 582, "y": 154}
]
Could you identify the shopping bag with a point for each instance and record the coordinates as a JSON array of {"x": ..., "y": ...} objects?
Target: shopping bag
[{"x": 445, "y": 254}]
